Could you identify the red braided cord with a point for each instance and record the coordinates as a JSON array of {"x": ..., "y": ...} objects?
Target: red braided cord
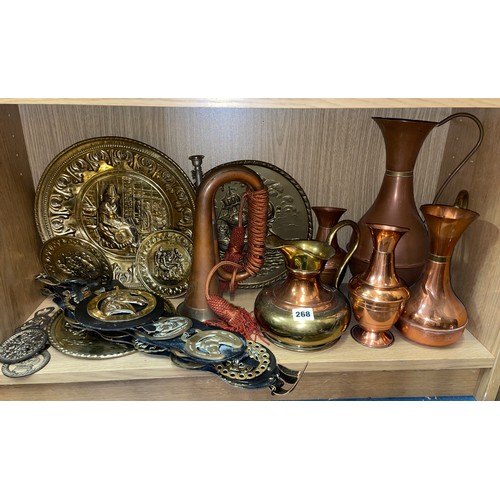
[{"x": 231, "y": 317}]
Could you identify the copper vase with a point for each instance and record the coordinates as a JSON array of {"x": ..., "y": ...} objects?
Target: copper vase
[
  {"x": 434, "y": 315},
  {"x": 377, "y": 294},
  {"x": 395, "y": 204},
  {"x": 327, "y": 218}
]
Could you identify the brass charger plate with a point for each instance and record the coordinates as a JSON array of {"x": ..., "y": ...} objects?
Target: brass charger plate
[
  {"x": 163, "y": 263},
  {"x": 289, "y": 216},
  {"x": 81, "y": 343},
  {"x": 68, "y": 257},
  {"x": 113, "y": 192}
]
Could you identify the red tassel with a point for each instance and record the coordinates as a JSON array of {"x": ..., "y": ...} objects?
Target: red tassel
[{"x": 234, "y": 318}]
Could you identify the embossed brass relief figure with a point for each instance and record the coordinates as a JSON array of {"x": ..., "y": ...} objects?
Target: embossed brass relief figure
[{"x": 113, "y": 192}]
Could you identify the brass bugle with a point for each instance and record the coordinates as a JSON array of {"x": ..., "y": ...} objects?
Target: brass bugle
[{"x": 205, "y": 243}]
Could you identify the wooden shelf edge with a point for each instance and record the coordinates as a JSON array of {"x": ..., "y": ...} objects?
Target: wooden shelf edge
[
  {"x": 341, "y": 358},
  {"x": 345, "y": 356},
  {"x": 298, "y": 103}
]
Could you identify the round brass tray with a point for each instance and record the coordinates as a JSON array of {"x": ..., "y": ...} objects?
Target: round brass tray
[
  {"x": 113, "y": 192},
  {"x": 81, "y": 343},
  {"x": 289, "y": 216},
  {"x": 163, "y": 263},
  {"x": 68, "y": 257}
]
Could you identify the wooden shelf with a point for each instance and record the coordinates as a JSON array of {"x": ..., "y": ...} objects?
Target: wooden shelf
[
  {"x": 344, "y": 357},
  {"x": 332, "y": 149},
  {"x": 295, "y": 103}
]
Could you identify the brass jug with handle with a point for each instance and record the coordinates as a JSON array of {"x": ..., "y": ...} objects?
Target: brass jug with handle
[{"x": 300, "y": 312}]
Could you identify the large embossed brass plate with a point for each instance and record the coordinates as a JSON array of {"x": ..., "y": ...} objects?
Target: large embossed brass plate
[
  {"x": 163, "y": 263},
  {"x": 113, "y": 192},
  {"x": 289, "y": 216}
]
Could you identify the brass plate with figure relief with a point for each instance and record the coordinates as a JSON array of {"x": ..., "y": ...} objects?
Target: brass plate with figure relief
[
  {"x": 289, "y": 216},
  {"x": 163, "y": 263},
  {"x": 68, "y": 257},
  {"x": 113, "y": 192}
]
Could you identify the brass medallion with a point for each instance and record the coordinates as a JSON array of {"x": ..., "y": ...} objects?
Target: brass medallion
[
  {"x": 23, "y": 344},
  {"x": 26, "y": 367},
  {"x": 68, "y": 257},
  {"x": 163, "y": 263},
  {"x": 113, "y": 192},
  {"x": 165, "y": 328},
  {"x": 234, "y": 370},
  {"x": 119, "y": 309},
  {"x": 289, "y": 216},
  {"x": 213, "y": 345},
  {"x": 82, "y": 343}
]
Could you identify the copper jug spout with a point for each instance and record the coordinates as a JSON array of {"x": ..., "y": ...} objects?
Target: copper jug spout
[{"x": 205, "y": 244}]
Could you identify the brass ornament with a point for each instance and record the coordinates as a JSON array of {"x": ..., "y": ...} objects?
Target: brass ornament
[
  {"x": 28, "y": 366},
  {"x": 235, "y": 371},
  {"x": 83, "y": 343},
  {"x": 119, "y": 309},
  {"x": 23, "y": 344},
  {"x": 164, "y": 328},
  {"x": 68, "y": 257},
  {"x": 208, "y": 345},
  {"x": 289, "y": 216},
  {"x": 163, "y": 263},
  {"x": 113, "y": 191}
]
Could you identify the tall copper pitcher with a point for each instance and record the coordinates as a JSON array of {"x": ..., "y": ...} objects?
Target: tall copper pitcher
[
  {"x": 395, "y": 203},
  {"x": 434, "y": 315}
]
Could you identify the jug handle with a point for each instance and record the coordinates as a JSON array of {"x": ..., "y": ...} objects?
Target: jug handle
[
  {"x": 329, "y": 239},
  {"x": 462, "y": 199},
  {"x": 472, "y": 151}
]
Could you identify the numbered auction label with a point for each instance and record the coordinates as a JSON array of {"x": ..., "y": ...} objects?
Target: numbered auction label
[{"x": 303, "y": 313}]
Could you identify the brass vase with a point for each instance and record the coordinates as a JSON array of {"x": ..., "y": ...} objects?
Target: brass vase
[
  {"x": 301, "y": 313},
  {"x": 395, "y": 204},
  {"x": 434, "y": 315},
  {"x": 377, "y": 294},
  {"x": 327, "y": 218}
]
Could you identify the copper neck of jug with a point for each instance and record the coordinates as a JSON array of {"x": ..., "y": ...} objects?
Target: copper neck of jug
[
  {"x": 381, "y": 270},
  {"x": 446, "y": 225},
  {"x": 205, "y": 243},
  {"x": 403, "y": 141}
]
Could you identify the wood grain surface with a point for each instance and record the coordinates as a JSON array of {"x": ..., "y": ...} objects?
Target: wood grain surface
[{"x": 19, "y": 242}]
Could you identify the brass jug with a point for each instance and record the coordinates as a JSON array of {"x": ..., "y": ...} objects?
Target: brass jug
[{"x": 301, "y": 313}]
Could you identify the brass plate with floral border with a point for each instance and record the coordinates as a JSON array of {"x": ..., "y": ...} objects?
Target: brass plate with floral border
[
  {"x": 113, "y": 192},
  {"x": 68, "y": 257},
  {"x": 289, "y": 216},
  {"x": 163, "y": 263}
]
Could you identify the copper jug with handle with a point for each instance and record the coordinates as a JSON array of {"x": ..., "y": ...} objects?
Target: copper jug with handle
[
  {"x": 300, "y": 312},
  {"x": 395, "y": 203}
]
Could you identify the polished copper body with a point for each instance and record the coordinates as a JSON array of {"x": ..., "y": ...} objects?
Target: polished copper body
[
  {"x": 434, "y": 315},
  {"x": 327, "y": 218},
  {"x": 205, "y": 243},
  {"x": 395, "y": 204},
  {"x": 377, "y": 294},
  {"x": 328, "y": 311}
]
